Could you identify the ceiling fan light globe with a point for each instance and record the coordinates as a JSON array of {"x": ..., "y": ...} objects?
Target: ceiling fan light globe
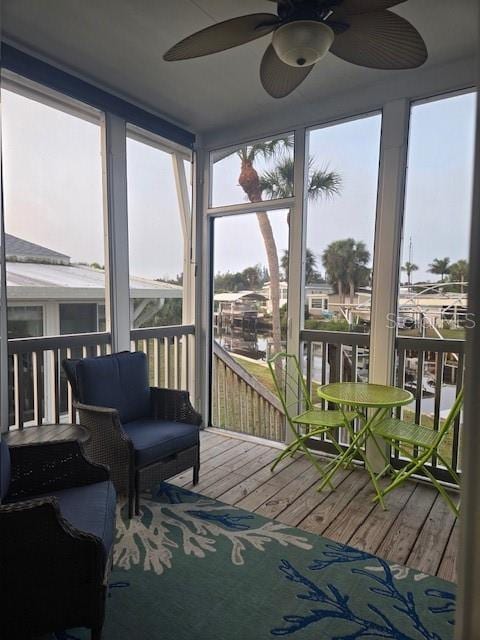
[{"x": 303, "y": 42}]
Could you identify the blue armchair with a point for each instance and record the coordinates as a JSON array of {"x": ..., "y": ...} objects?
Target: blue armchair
[
  {"x": 57, "y": 522},
  {"x": 144, "y": 434}
]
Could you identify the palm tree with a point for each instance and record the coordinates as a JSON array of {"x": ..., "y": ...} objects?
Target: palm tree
[
  {"x": 276, "y": 183},
  {"x": 409, "y": 268},
  {"x": 459, "y": 273},
  {"x": 345, "y": 263},
  {"x": 311, "y": 274},
  {"x": 440, "y": 267}
]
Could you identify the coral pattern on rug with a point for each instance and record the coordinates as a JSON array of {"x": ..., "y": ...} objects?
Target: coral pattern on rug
[
  {"x": 192, "y": 568},
  {"x": 148, "y": 540}
]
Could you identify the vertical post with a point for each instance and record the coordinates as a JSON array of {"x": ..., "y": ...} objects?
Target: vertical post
[
  {"x": 4, "y": 419},
  {"x": 468, "y": 612},
  {"x": 203, "y": 260},
  {"x": 188, "y": 306},
  {"x": 296, "y": 253},
  {"x": 4, "y": 414},
  {"x": 388, "y": 238},
  {"x": 117, "y": 293}
]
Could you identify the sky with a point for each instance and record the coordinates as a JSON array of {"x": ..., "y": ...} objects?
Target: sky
[
  {"x": 53, "y": 189},
  {"x": 437, "y": 200}
]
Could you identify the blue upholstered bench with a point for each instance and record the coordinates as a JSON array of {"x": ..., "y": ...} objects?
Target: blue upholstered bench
[{"x": 57, "y": 524}]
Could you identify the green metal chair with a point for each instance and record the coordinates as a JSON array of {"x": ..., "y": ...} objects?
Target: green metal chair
[
  {"x": 418, "y": 445},
  {"x": 311, "y": 421}
]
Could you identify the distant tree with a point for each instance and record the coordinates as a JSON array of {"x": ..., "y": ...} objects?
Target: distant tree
[
  {"x": 250, "y": 278},
  {"x": 312, "y": 276},
  {"x": 458, "y": 272},
  {"x": 345, "y": 263},
  {"x": 254, "y": 277},
  {"x": 440, "y": 267},
  {"x": 409, "y": 268}
]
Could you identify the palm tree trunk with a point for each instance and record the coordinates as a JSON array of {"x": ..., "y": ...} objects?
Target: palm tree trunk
[
  {"x": 274, "y": 271},
  {"x": 250, "y": 182},
  {"x": 352, "y": 291}
]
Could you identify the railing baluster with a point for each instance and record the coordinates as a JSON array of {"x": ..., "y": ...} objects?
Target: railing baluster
[
  {"x": 71, "y": 411},
  {"x": 166, "y": 361},
  {"x": 19, "y": 389},
  {"x": 456, "y": 424},
  {"x": 176, "y": 363},
  {"x": 309, "y": 368},
  {"x": 37, "y": 360}
]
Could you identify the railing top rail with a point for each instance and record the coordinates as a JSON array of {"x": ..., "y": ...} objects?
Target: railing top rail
[
  {"x": 408, "y": 343},
  {"x": 162, "y": 332},
  {"x": 336, "y": 337},
  {"x": 46, "y": 343}
]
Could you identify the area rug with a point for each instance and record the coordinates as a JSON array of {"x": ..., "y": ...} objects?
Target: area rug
[{"x": 193, "y": 568}]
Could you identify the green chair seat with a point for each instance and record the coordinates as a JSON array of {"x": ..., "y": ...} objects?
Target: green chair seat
[
  {"x": 324, "y": 418},
  {"x": 415, "y": 434}
]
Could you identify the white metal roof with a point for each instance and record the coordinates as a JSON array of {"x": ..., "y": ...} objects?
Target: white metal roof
[{"x": 33, "y": 281}]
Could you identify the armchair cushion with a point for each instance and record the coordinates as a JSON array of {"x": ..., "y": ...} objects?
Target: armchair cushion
[
  {"x": 91, "y": 509},
  {"x": 156, "y": 439},
  {"x": 119, "y": 381},
  {"x": 4, "y": 469}
]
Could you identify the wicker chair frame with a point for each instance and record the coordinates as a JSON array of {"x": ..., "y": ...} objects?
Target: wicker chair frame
[
  {"x": 109, "y": 444},
  {"x": 52, "y": 575}
]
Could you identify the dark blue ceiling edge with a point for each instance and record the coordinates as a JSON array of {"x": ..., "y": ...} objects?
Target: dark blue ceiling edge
[{"x": 54, "y": 78}]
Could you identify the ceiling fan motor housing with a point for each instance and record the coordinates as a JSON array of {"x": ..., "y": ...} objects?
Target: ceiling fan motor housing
[{"x": 301, "y": 43}]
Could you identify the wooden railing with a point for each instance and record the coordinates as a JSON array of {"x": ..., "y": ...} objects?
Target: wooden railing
[
  {"x": 241, "y": 403},
  {"x": 38, "y": 389},
  {"x": 169, "y": 351}
]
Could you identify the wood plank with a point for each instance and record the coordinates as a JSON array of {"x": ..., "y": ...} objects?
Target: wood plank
[
  {"x": 234, "y": 477},
  {"x": 373, "y": 530},
  {"x": 330, "y": 508},
  {"x": 280, "y": 501},
  {"x": 251, "y": 481},
  {"x": 254, "y": 490},
  {"x": 224, "y": 445},
  {"x": 399, "y": 541},
  {"x": 310, "y": 499},
  {"x": 429, "y": 547},
  {"x": 215, "y": 463},
  {"x": 267, "y": 490},
  {"x": 353, "y": 515},
  {"x": 264, "y": 456},
  {"x": 448, "y": 566}
]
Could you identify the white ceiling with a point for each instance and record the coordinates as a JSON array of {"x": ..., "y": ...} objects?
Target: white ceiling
[{"x": 118, "y": 44}]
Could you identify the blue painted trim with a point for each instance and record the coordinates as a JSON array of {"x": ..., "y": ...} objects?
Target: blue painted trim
[{"x": 54, "y": 78}]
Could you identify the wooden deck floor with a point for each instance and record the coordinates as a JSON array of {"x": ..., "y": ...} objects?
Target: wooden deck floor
[{"x": 417, "y": 530}]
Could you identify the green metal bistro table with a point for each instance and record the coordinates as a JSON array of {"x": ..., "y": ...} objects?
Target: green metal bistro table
[{"x": 362, "y": 396}]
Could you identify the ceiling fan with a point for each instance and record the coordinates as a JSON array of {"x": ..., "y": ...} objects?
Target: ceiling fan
[{"x": 363, "y": 32}]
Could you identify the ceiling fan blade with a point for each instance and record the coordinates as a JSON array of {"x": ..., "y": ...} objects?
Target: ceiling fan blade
[
  {"x": 380, "y": 40},
  {"x": 353, "y": 7},
  {"x": 222, "y": 36},
  {"x": 280, "y": 79}
]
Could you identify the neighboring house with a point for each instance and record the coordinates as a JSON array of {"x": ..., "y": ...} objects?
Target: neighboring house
[
  {"x": 266, "y": 290},
  {"x": 49, "y": 295}
]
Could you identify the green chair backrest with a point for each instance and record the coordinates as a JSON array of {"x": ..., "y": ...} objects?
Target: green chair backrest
[
  {"x": 289, "y": 383},
  {"x": 450, "y": 419}
]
